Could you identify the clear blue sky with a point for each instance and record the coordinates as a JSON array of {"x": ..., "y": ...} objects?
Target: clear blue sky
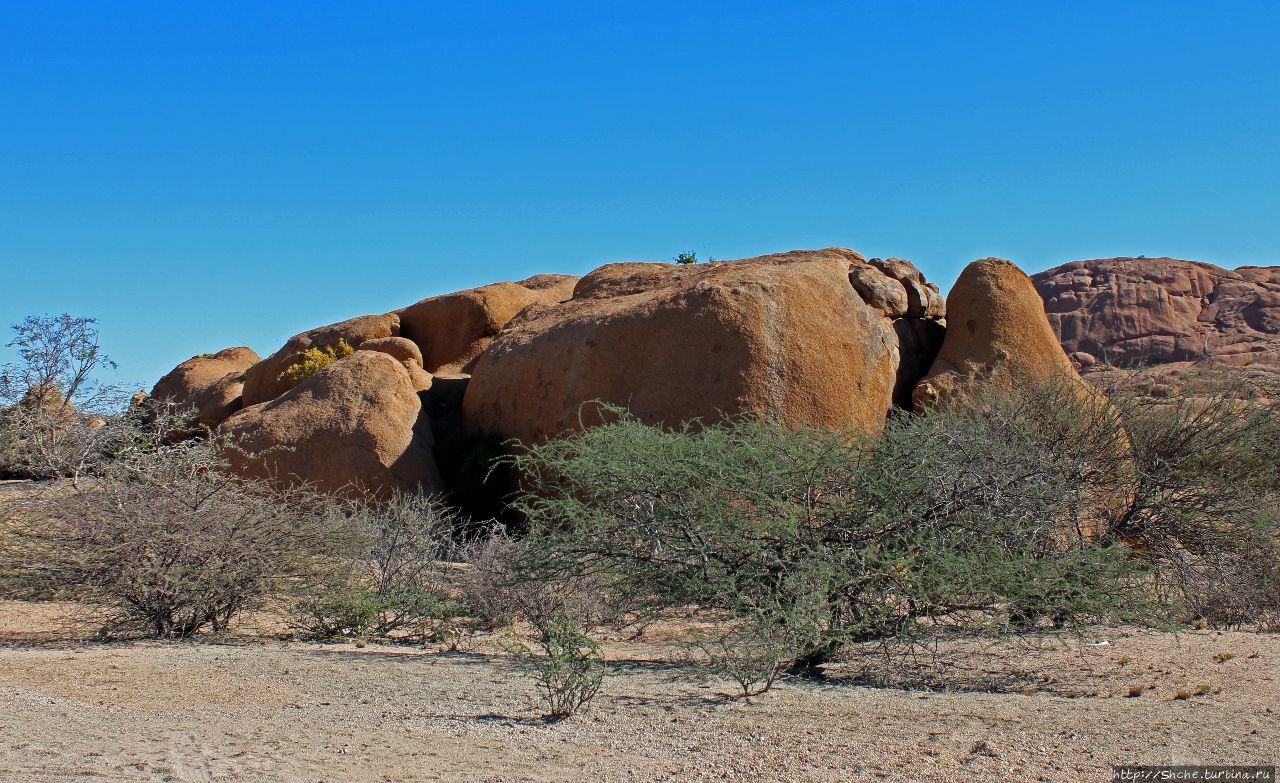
[{"x": 231, "y": 175}]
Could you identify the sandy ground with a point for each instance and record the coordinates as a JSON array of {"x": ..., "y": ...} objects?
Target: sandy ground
[{"x": 254, "y": 709}]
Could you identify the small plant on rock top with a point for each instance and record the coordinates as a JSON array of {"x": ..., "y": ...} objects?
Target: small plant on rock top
[{"x": 314, "y": 360}]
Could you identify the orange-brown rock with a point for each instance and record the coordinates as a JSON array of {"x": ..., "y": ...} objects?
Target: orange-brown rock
[
  {"x": 210, "y": 385},
  {"x": 786, "y": 336},
  {"x": 352, "y": 427},
  {"x": 997, "y": 331},
  {"x": 266, "y": 380},
  {"x": 454, "y": 329},
  {"x": 407, "y": 353},
  {"x": 47, "y": 400},
  {"x": 1138, "y": 311}
]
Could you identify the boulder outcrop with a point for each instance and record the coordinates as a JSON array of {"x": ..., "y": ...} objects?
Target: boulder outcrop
[
  {"x": 1138, "y": 311},
  {"x": 353, "y": 427},
  {"x": 997, "y": 332},
  {"x": 806, "y": 338},
  {"x": 452, "y": 330},
  {"x": 268, "y": 379},
  {"x": 211, "y": 385}
]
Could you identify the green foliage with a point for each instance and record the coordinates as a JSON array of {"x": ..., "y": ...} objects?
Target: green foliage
[
  {"x": 362, "y": 612},
  {"x": 314, "y": 360},
  {"x": 567, "y": 668},
  {"x": 971, "y": 518},
  {"x": 685, "y": 258}
]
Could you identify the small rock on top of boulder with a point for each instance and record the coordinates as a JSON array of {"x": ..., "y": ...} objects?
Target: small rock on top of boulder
[{"x": 406, "y": 352}]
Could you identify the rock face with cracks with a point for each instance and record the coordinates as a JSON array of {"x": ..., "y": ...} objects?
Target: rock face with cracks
[{"x": 1138, "y": 311}]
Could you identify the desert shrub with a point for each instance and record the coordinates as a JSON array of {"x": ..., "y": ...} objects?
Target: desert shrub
[
  {"x": 974, "y": 518},
  {"x": 314, "y": 360},
  {"x": 686, "y": 258},
  {"x": 488, "y": 582},
  {"x": 566, "y": 668},
  {"x": 398, "y": 581},
  {"x": 498, "y": 590},
  {"x": 168, "y": 543},
  {"x": 563, "y": 660},
  {"x": 1202, "y": 497},
  {"x": 751, "y": 654}
]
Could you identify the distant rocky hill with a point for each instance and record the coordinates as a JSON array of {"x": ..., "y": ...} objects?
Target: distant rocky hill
[{"x": 1153, "y": 311}]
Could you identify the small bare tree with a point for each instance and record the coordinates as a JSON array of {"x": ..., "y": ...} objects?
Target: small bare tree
[
  {"x": 57, "y": 354},
  {"x": 57, "y": 418}
]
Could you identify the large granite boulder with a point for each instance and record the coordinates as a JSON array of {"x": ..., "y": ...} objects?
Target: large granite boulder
[
  {"x": 210, "y": 385},
  {"x": 997, "y": 332},
  {"x": 352, "y": 428},
  {"x": 807, "y": 338}
]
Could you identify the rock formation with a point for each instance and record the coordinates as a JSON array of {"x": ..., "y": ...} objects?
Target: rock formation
[
  {"x": 454, "y": 329},
  {"x": 267, "y": 380},
  {"x": 211, "y": 385},
  {"x": 354, "y": 426},
  {"x": 803, "y": 338},
  {"x": 822, "y": 338},
  {"x": 1138, "y": 311}
]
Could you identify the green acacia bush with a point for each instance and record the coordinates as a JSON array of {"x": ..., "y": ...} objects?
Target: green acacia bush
[
  {"x": 565, "y": 664},
  {"x": 977, "y": 518}
]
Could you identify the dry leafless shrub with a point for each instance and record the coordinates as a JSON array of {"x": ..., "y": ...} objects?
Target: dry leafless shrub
[
  {"x": 56, "y": 417},
  {"x": 1203, "y": 495},
  {"x": 399, "y": 581},
  {"x": 167, "y": 542},
  {"x": 563, "y": 660}
]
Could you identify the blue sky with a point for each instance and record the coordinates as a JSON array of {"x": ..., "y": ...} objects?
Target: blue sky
[{"x": 233, "y": 174}]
